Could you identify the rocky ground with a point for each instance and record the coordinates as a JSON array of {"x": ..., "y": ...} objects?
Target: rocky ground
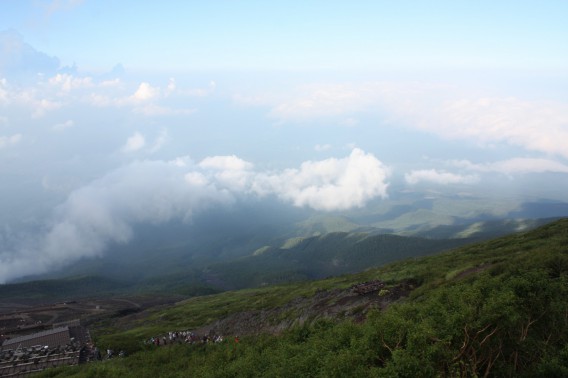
[{"x": 336, "y": 304}]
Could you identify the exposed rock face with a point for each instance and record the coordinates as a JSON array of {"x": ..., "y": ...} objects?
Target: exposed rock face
[{"x": 325, "y": 304}]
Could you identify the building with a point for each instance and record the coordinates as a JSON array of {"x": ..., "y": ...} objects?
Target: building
[
  {"x": 64, "y": 333},
  {"x": 54, "y": 337}
]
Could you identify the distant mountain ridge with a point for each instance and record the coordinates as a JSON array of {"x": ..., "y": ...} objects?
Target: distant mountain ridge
[{"x": 268, "y": 260}]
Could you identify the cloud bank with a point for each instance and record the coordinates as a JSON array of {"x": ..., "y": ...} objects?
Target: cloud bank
[
  {"x": 438, "y": 177},
  {"x": 515, "y": 166},
  {"x": 105, "y": 211},
  {"x": 443, "y": 110}
]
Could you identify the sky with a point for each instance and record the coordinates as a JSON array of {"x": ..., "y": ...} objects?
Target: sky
[{"x": 116, "y": 113}]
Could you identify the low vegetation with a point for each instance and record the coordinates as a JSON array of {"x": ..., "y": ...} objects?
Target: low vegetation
[{"x": 498, "y": 308}]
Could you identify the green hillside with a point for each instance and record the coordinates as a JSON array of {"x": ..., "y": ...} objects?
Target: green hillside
[
  {"x": 322, "y": 256},
  {"x": 498, "y": 308},
  {"x": 168, "y": 270},
  {"x": 71, "y": 287}
]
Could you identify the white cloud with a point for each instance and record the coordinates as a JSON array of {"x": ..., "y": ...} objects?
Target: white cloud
[
  {"x": 64, "y": 125},
  {"x": 153, "y": 110},
  {"x": 171, "y": 88},
  {"x": 146, "y": 100},
  {"x": 100, "y": 100},
  {"x": 6, "y": 141},
  {"x": 322, "y": 147},
  {"x": 197, "y": 179},
  {"x": 201, "y": 92},
  {"x": 227, "y": 163},
  {"x": 230, "y": 171},
  {"x": 38, "y": 101},
  {"x": 134, "y": 143},
  {"x": 534, "y": 125},
  {"x": 67, "y": 91},
  {"x": 111, "y": 83},
  {"x": 146, "y": 92},
  {"x": 181, "y": 161},
  {"x": 68, "y": 82},
  {"x": 515, "y": 166},
  {"x": 438, "y": 177},
  {"x": 105, "y": 210},
  {"x": 253, "y": 100},
  {"x": 142, "y": 100},
  {"x": 3, "y": 91},
  {"x": 332, "y": 184},
  {"x": 351, "y": 145},
  {"x": 43, "y": 106},
  {"x": 160, "y": 141},
  {"x": 322, "y": 101},
  {"x": 343, "y": 102}
]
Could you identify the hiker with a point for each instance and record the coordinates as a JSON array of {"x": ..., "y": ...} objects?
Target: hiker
[{"x": 97, "y": 354}]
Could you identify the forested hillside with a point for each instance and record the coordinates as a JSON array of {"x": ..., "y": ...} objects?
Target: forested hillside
[{"x": 498, "y": 308}]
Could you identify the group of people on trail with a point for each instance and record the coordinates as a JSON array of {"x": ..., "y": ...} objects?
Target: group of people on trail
[
  {"x": 96, "y": 355},
  {"x": 187, "y": 337}
]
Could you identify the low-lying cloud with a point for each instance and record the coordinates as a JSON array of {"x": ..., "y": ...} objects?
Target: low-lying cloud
[
  {"x": 439, "y": 177},
  {"x": 332, "y": 184},
  {"x": 444, "y": 110},
  {"x": 515, "y": 166},
  {"x": 105, "y": 211}
]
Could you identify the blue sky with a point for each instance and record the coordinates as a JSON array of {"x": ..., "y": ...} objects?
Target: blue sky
[
  {"x": 179, "y": 35},
  {"x": 324, "y": 105}
]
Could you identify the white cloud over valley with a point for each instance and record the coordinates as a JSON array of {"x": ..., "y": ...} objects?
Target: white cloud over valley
[
  {"x": 439, "y": 177},
  {"x": 154, "y": 191},
  {"x": 331, "y": 184},
  {"x": 515, "y": 166}
]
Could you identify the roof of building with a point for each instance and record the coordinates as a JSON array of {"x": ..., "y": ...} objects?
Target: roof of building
[{"x": 20, "y": 339}]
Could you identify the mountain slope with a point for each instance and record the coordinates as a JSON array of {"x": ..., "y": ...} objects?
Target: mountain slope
[
  {"x": 331, "y": 254},
  {"x": 496, "y": 308},
  {"x": 146, "y": 267}
]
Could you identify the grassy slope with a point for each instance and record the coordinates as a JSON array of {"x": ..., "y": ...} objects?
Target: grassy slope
[
  {"x": 331, "y": 254},
  {"x": 53, "y": 290},
  {"x": 497, "y": 308},
  {"x": 169, "y": 265},
  {"x": 298, "y": 259}
]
